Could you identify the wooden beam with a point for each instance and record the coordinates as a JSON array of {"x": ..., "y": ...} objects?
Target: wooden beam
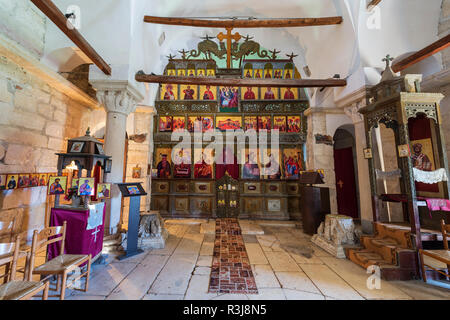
[
  {"x": 58, "y": 18},
  {"x": 245, "y": 23},
  {"x": 372, "y": 4},
  {"x": 422, "y": 54},
  {"x": 274, "y": 83}
]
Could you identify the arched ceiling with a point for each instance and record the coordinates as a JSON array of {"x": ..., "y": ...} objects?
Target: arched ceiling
[{"x": 115, "y": 28}]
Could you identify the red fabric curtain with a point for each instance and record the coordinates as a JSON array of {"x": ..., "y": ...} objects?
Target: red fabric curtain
[
  {"x": 233, "y": 169},
  {"x": 345, "y": 182}
]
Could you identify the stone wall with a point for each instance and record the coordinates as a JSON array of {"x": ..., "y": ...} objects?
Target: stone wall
[
  {"x": 443, "y": 30},
  {"x": 22, "y": 22},
  {"x": 35, "y": 122}
]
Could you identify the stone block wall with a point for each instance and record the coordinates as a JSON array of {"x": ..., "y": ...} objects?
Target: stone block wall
[
  {"x": 443, "y": 30},
  {"x": 35, "y": 123}
]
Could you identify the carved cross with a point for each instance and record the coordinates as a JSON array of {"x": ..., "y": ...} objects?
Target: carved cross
[
  {"x": 207, "y": 37},
  {"x": 248, "y": 38},
  {"x": 170, "y": 57},
  {"x": 341, "y": 184},
  {"x": 95, "y": 233},
  {"x": 229, "y": 36},
  {"x": 292, "y": 56},
  {"x": 183, "y": 54},
  {"x": 274, "y": 53},
  {"x": 388, "y": 60}
]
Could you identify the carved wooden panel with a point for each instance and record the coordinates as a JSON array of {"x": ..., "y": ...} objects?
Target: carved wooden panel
[
  {"x": 253, "y": 205},
  {"x": 292, "y": 188},
  {"x": 203, "y": 187},
  {"x": 181, "y": 186},
  {"x": 160, "y": 203},
  {"x": 161, "y": 186},
  {"x": 181, "y": 204},
  {"x": 201, "y": 205},
  {"x": 275, "y": 205},
  {"x": 252, "y": 187},
  {"x": 294, "y": 204},
  {"x": 273, "y": 188}
]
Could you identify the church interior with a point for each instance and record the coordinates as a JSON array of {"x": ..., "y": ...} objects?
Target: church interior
[{"x": 224, "y": 150}]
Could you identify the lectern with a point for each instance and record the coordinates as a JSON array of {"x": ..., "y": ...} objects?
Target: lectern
[
  {"x": 314, "y": 201},
  {"x": 134, "y": 191}
]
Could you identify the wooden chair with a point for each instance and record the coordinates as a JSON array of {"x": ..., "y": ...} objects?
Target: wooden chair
[
  {"x": 437, "y": 260},
  {"x": 6, "y": 236},
  {"x": 61, "y": 265},
  {"x": 18, "y": 289}
]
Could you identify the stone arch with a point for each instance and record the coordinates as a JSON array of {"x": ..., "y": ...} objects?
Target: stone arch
[{"x": 65, "y": 59}]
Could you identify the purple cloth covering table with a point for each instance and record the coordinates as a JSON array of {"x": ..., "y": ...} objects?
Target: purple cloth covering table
[{"x": 78, "y": 239}]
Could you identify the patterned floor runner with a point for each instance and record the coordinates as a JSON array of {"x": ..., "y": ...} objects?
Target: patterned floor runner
[{"x": 231, "y": 271}]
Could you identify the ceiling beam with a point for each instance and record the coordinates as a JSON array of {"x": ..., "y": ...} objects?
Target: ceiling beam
[
  {"x": 274, "y": 83},
  {"x": 422, "y": 54},
  {"x": 245, "y": 23},
  {"x": 372, "y": 4},
  {"x": 58, "y": 18}
]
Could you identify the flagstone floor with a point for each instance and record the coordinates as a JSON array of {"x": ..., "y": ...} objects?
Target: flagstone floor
[{"x": 285, "y": 264}]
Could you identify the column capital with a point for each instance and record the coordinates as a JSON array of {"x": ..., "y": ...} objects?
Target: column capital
[
  {"x": 119, "y": 96},
  {"x": 353, "y": 113}
]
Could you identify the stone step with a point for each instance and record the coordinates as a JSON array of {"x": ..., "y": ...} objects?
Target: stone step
[
  {"x": 400, "y": 235},
  {"x": 389, "y": 272},
  {"x": 388, "y": 252}
]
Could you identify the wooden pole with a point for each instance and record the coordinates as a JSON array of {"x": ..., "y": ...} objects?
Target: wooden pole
[
  {"x": 245, "y": 23},
  {"x": 372, "y": 4},
  {"x": 426, "y": 52},
  {"x": 55, "y": 15},
  {"x": 274, "y": 83}
]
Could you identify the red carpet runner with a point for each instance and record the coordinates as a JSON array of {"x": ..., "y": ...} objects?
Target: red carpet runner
[{"x": 231, "y": 271}]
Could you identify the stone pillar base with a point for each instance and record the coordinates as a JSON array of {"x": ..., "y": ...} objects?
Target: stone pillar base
[
  {"x": 336, "y": 250},
  {"x": 152, "y": 234},
  {"x": 334, "y": 233}
]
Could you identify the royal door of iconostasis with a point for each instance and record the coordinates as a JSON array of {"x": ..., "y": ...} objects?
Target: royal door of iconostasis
[{"x": 184, "y": 177}]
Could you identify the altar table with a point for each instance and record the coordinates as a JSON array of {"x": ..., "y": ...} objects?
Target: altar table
[{"x": 78, "y": 239}]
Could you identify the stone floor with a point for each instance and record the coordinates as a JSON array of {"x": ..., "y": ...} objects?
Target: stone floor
[{"x": 285, "y": 264}]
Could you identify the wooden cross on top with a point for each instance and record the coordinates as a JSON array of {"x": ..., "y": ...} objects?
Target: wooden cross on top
[
  {"x": 183, "y": 54},
  {"x": 274, "y": 53},
  {"x": 229, "y": 36},
  {"x": 207, "y": 37},
  {"x": 388, "y": 60},
  {"x": 170, "y": 56},
  {"x": 292, "y": 56}
]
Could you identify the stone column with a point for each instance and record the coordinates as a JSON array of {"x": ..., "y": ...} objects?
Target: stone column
[
  {"x": 362, "y": 164},
  {"x": 119, "y": 99}
]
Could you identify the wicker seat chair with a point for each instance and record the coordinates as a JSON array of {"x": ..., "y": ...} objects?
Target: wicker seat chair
[
  {"x": 437, "y": 260},
  {"x": 18, "y": 289},
  {"x": 62, "y": 265}
]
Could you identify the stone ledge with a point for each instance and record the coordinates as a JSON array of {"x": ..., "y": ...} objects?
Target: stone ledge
[{"x": 33, "y": 66}]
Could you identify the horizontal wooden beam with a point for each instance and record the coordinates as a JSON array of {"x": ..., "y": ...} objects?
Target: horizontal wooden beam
[
  {"x": 58, "y": 18},
  {"x": 422, "y": 54},
  {"x": 245, "y": 23},
  {"x": 372, "y": 4},
  {"x": 230, "y": 82}
]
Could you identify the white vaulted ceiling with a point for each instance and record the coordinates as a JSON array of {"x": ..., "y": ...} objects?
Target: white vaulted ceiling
[{"x": 115, "y": 28}]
